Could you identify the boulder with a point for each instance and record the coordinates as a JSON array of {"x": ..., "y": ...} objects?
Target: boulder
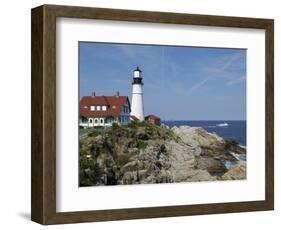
[
  {"x": 238, "y": 172},
  {"x": 212, "y": 165},
  {"x": 195, "y": 136}
]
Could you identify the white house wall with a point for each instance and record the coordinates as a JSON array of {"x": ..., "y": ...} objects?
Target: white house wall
[{"x": 123, "y": 118}]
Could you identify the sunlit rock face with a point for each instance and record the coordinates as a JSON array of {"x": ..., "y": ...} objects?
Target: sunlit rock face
[{"x": 143, "y": 153}]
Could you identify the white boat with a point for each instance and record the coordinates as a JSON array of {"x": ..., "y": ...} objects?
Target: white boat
[{"x": 223, "y": 124}]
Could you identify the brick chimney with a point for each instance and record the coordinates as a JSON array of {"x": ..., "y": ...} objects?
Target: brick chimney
[{"x": 93, "y": 94}]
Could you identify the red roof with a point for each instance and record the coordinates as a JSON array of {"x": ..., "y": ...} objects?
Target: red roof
[{"x": 114, "y": 105}]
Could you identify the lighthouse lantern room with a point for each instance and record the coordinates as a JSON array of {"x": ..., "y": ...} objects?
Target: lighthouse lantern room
[{"x": 137, "y": 95}]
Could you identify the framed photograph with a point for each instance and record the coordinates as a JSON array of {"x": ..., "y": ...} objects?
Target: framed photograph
[{"x": 140, "y": 114}]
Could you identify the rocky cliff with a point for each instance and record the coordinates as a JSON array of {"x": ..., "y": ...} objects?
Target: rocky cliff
[{"x": 142, "y": 153}]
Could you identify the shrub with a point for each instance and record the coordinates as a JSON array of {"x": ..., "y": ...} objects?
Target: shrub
[
  {"x": 141, "y": 144},
  {"x": 122, "y": 160},
  {"x": 115, "y": 126}
]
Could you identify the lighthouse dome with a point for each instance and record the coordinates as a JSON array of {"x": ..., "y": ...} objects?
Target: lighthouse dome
[{"x": 137, "y": 72}]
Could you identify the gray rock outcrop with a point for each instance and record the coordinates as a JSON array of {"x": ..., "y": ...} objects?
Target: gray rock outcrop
[{"x": 149, "y": 154}]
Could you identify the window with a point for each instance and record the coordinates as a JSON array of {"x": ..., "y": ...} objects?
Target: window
[
  {"x": 96, "y": 121},
  {"x": 90, "y": 120},
  {"x": 104, "y": 107},
  {"x": 98, "y": 108},
  {"x": 93, "y": 108},
  {"x": 83, "y": 120},
  {"x": 101, "y": 121}
]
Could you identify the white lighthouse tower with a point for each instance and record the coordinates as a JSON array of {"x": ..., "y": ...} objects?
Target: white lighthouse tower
[{"x": 137, "y": 95}]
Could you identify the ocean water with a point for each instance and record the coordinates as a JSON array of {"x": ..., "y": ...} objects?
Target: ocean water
[{"x": 235, "y": 130}]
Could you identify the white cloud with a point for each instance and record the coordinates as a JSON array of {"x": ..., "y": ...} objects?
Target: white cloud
[
  {"x": 199, "y": 84},
  {"x": 230, "y": 60},
  {"x": 236, "y": 81}
]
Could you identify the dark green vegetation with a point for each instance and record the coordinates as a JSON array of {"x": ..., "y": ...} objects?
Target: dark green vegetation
[{"x": 104, "y": 151}]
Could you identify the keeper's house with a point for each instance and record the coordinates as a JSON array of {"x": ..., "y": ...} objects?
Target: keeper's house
[{"x": 104, "y": 110}]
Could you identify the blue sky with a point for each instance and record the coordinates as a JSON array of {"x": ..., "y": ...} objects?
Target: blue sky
[{"x": 180, "y": 83}]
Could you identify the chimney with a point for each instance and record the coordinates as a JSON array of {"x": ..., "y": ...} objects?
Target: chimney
[
  {"x": 117, "y": 94},
  {"x": 93, "y": 94}
]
